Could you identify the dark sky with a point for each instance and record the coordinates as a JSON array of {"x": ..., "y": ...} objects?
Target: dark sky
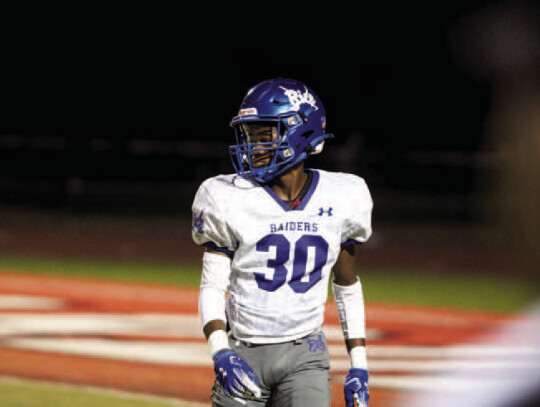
[{"x": 398, "y": 87}]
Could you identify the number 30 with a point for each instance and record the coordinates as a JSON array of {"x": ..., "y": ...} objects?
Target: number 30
[{"x": 283, "y": 247}]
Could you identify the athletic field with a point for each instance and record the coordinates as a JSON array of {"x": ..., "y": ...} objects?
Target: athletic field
[{"x": 90, "y": 326}]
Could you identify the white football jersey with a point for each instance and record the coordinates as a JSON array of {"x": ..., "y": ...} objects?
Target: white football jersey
[{"x": 281, "y": 257}]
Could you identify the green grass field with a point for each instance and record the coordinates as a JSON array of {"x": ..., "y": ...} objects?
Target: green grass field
[{"x": 22, "y": 393}]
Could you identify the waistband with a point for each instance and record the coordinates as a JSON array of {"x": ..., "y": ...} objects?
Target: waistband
[{"x": 294, "y": 341}]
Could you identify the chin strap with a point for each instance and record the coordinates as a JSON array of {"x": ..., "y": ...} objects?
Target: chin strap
[
  {"x": 318, "y": 148},
  {"x": 317, "y": 145}
]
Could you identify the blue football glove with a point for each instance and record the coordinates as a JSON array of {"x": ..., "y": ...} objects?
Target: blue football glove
[
  {"x": 236, "y": 376},
  {"x": 356, "y": 389}
]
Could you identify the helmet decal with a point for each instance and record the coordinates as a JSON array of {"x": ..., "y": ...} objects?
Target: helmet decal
[
  {"x": 248, "y": 111},
  {"x": 297, "y": 98}
]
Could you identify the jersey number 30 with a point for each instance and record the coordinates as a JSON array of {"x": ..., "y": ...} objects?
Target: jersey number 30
[{"x": 283, "y": 249}]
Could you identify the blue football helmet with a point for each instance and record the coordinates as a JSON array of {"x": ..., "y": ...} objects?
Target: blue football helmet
[{"x": 298, "y": 119}]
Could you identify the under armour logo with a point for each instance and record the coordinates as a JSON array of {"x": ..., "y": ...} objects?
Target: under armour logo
[
  {"x": 328, "y": 211},
  {"x": 198, "y": 222},
  {"x": 316, "y": 344}
]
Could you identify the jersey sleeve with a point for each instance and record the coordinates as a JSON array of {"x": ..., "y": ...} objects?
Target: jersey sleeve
[
  {"x": 357, "y": 224},
  {"x": 209, "y": 226}
]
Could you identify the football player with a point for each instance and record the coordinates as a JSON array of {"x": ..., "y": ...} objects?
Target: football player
[{"x": 274, "y": 232}]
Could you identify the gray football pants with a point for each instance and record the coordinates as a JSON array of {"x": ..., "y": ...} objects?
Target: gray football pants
[{"x": 291, "y": 374}]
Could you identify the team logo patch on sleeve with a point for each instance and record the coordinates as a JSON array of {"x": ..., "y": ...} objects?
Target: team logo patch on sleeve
[{"x": 198, "y": 222}]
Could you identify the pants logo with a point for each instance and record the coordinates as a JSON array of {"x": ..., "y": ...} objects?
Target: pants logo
[{"x": 316, "y": 344}]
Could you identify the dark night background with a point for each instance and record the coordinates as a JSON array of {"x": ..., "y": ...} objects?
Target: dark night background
[{"x": 124, "y": 130}]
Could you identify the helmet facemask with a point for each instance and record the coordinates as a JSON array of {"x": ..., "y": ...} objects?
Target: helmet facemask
[{"x": 263, "y": 148}]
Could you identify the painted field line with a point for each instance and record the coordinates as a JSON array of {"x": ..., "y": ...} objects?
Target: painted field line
[
  {"x": 197, "y": 354},
  {"x": 430, "y": 316},
  {"x": 174, "y": 325},
  {"x": 122, "y": 394},
  {"x": 437, "y": 383},
  {"x": 165, "y": 325},
  {"x": 438, "y": 366},
  {"x": 187, "y": 354},
  {"x": 444, "y": 352},
  {"x": 12, "y": 301}
]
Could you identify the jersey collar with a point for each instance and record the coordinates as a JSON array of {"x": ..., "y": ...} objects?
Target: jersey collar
[{"x": 305, "y": 199}]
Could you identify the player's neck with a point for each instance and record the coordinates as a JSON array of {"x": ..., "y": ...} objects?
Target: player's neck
[{"x": 288, "y": 185}]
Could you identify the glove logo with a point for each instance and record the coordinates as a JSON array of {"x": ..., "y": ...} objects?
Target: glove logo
[{"x": 236, "y": 377}]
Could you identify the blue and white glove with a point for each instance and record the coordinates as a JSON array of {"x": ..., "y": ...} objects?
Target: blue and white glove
[
  {"x": 356, "y": 389},
  {"x": 236, "y": 376}
]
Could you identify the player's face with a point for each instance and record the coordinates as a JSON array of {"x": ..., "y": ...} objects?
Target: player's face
[{"x": 261, "y": 133}]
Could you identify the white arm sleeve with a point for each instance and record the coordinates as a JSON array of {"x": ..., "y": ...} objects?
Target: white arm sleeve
[
  {"x": 350, "y": 306},
  {"x": 214, "y": 284},
  {"x": 357, "y": 225}
]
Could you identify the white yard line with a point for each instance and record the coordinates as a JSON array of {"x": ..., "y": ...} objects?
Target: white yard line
[
  {"x": 171, "y": 325},
  {"x": 23, "y": 302}
]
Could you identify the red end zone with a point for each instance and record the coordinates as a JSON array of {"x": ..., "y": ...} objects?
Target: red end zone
[{"x": 147, "y": 339}]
